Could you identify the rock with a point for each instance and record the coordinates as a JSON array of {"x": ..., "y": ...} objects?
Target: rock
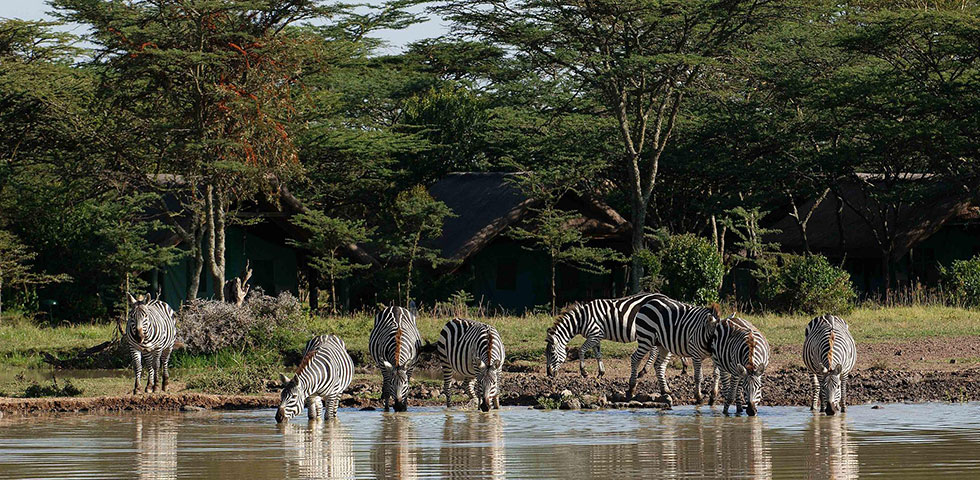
[
  {"x": 643, "y": 397},
  {"x": 538, "y": 407},
  {"x": 922, "y": 359},
  {"x": 952, "y": 360},
  {"x": 634, "y": 404},
  {"x": 876, "y": 407},
  {"x": 589, "y": 399},
  {"x": 602, "y": 401},
  {"x": 191, "y": 408},
  {"x": 368, "y": 409},
  {"x": 618, "y": 396},
  {"x": 435, "y": 393},
  {"x": 570, "y": 404},
  {"x": 898, "y": 353},
  {"x": 565, "y": 393}
]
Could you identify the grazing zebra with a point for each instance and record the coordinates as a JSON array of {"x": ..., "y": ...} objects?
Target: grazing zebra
[
  {"x": 829, "y": 353},
  {"x": 150, "y": 332},
  {"x": 324, "y": 373},
  {"x": 475, "y": 352},
  {"x": 605, "y": 319},
  {"x": 741, "y": 354},
  {"x": 673, "y": 328},
  {"x": 395, "y": 343}
]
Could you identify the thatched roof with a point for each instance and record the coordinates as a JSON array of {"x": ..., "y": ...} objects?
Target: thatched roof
[
  {"x": 487, "y": 203},
  {"x": 912, "y": 222}
]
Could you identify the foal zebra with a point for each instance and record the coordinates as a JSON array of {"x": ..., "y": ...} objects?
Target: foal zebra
[
  {"x": 150, "y": 332},
  {"x": 475, "y": 352},
  {"x": 605, "y": 319},
  {"x": 325, "y": 372},
  {"x": 829, "y": 353},
  {"x": 741, "y": 354},
  {"x": 673, "y": 328},
  {"x": 395, "y": 343}
]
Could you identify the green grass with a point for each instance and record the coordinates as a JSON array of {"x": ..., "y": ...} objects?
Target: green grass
[{"x": 21, "y": 340}]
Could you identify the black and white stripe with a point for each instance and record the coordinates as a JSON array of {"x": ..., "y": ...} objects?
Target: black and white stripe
[
  {"x": 673, "y": 328},
  {"x": 474, "y": 352},
  {"x": 395, "y": 343},
  {"x": 741, "y": 354},
  {"x": 322, "y": 376},
  {"x": 150, "y": 332},
  {"x": 829, "y": 352},
  {"x": 604, "y": 319}
]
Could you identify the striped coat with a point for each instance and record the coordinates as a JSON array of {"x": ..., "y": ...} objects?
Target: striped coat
[
  {"x": 829, "y": 353},
  {"x": 741, "y": 354},
  {"x": 605, "y": 319},
  {"x": 150, "y": 333},
  {"x": 474, "y": 352},
  {"x": 395, "y": 343},
  {"x": 322, "y": 376},
  {"x": 676, "y": 328}
]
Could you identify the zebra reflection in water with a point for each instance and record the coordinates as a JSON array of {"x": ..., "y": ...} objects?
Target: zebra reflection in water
[
  {"x": 320, "y": 449},
  {"x": 473, "y": 447},
  {"x": 396, "y": 453},
  {"x": 829, "y": 452},
  {"x": 156, "y": 448}
]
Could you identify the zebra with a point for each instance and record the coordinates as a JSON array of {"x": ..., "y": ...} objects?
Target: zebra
[
  {"x": 395, "y": 343},
  {"x": 150, "y": 332},
  {"x": 673, "y": 328},
  {"x": 740, "y": 353},
  {"x": 829, "y": 353},
  {"x": 324, "y": 373},
  {"x": 475, "y": 352},
  {"x": 603, "y": 319}
]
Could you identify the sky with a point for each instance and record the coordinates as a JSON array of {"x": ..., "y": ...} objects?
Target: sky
[{"x": 397, "y": 39}]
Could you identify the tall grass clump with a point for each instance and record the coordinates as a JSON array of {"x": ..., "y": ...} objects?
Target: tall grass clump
[{"x": 961, "y": 281}]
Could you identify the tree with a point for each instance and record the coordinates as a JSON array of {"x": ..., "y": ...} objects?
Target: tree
[
  {"x": 15, "y": 266},
  {"x": 417, "y": 217},
  {"x": 328, "y": 236},
  {"x": 637, "y": 60}
]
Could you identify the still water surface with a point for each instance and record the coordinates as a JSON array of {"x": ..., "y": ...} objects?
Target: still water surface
[{"x": 910, "y": 441}]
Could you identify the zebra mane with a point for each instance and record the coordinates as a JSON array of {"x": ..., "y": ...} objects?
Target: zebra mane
[
  {"x": 489, "y": 345},
  {"x": 562, "y": 315},
  {"x": 830, "y": 351},
  {"x": 306, "y": 361},
  {"x": 398, "y": 342},
  {"x": 748, "y": 330},
  {"x": 715, "y": 309}
]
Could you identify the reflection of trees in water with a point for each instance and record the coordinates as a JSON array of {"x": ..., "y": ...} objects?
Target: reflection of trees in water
[
  {"x": 321, "y": 449},
  {"x": 829, "y": 452},
  {"x": 395, "y": 454},
  {"x": 156, "y": 447},
  {"x": 473, "y": 447}
]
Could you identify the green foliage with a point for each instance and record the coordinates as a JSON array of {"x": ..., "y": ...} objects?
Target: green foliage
[
  {"x": 417, "y": 218},
  {"x": 327, "y": 236},
  {"x": 244, "y": 379},
  {"x": 652, "y": 270},
  {"x": 15, "y": 266},
  {"x": 34, "y": 390},
  {"x": 691, "y": 268},
  {"x": 805, "y": 283},
  {"x": 961, "y": 280}
]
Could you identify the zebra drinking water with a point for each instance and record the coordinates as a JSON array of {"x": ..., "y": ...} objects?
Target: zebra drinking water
[
  {"x": 605, "y": 319},
  {"x": 829, "y": 353},
  {"x": 324, "y": 373},
  {"x": 395, "y": 343},
  {"x": 475, "y": 352},
  {"x": 673, "y": 328},
  {"x": 741, "y": 354},
  {"x": 150, "y": 332}
]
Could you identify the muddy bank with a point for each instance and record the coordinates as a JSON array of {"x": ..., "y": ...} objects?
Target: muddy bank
[{"x": 139, "y": 403}]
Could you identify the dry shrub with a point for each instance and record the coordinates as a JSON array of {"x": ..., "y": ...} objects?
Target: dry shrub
[{"x": 209, "y": 326}]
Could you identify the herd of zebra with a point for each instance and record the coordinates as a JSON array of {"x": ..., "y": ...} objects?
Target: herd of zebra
[{"x": 474, "y": 352}]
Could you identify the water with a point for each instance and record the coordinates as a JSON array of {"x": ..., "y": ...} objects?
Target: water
[{"x": 910, "y": 441}]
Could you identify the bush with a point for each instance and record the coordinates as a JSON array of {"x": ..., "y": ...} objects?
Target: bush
[
  {"x": 805, "y": 284},
  {"x": 209, "y": 326},
  {"x": 691, "y": 269},
  {"x": 962, "y": 281},
  {"x": 53, "y": 390}
]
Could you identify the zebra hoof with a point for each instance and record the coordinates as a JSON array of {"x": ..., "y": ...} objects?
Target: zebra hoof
[{"x": 666, "y": 399}]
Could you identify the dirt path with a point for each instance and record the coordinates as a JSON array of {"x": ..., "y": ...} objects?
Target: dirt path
[{"x": 175, "y": 401}]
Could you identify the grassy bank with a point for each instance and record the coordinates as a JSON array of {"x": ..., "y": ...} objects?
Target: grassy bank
[{"x": 236, "y": 371}]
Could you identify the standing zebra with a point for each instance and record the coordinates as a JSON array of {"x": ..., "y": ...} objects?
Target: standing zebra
[
  {"x": 605, "y": 319},
  {"x": 150, "y": 332},
  {"x": 395, "y": 343},
  {"x": 324, "y": 373},
  {"x": 475, "y": 352},
  {"x": 829, "y": 353},
  {"x": 741, "y": 354},
  {"x": 673, "y": 328}
]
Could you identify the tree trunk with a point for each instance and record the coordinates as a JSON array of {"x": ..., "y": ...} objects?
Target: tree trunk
[
  {"x": 637, "y": 244},
  {"x": 215, "y": 211},
  {"x": 554, "y": 306},
  {"x": 1, "y": 299},
  {"x": 197, "y": 264},
  {"x": 411, "y": 261}
]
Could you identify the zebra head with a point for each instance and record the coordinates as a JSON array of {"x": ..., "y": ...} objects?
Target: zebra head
[
  {"x": 830, "y": 390},
  {"x": 554, "y": 354},
  {"x": 753, "y": 388},
  {"x": 139, "y": 318},
  {"x": 291, "y": 399},
  {"x": 399, "y": 385},
  {"x": 486, "y": 383}
]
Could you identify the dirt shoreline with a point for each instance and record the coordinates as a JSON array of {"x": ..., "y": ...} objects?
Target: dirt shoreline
[{"x": 785, "y": 387}]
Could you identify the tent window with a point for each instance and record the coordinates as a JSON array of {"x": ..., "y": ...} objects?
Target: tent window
[{"x": 507, "y": 274}]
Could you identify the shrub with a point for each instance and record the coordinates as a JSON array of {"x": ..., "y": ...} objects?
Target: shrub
[
  {"x": 53, "y": 390},
  {"x": 691, "y": 269},
  {"x": 652, "y": 280},
  {"x": 961, "y": 280},
  {"x": 208, "y": 326},
  {"x": 804, "y": 283}
]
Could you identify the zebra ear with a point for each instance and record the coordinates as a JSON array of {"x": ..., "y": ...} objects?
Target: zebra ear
[
  {"x": 823, "y": 370},
  {"x": 132, "y": 299},
  {"x": 741, "y": 370},
  {"x": 386, "y": 364},
  {"x": 284, "y": 380}
]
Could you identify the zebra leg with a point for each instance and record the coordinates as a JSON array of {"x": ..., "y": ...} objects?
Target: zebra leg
[
  {"x": 151, "y": 372},
  {"x": 843, "y": 391},
  {"x": 740, "y": 393},
  {"x": 156, "y": 367},
  {"x": 314, "y": 407},
  {"x": 714, "y": 386},
  {"x": 137, "y": 367},
  {"x": 598, "y": 361},
  {"x": 646, "y": 366},
  {"x": 696, "y": 363},
  {"x": 165, "y": 367},
  {"x": 729, "y": 390},
  {"x": 471, "y": 389},
  {"x": 660, "y": 366},
  {"x": 635, "y": 358},
  {"x": 447, "y": 382},
  {"x": 330, "y": 404},
  {"x": 590, "y": 344},
  {"x": 386, "y": 380},
  {"x": 683, "y": 366},
  {"x": 815, "y": 384},
  {"x": 496, "y": 401}
]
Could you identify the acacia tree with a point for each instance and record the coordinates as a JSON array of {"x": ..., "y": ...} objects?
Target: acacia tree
[
  {"x": 15, "y": 266},
  {"x": 417, "y": 217},
  {"x": 636, "y": 59},
  {"x": 329, "y": 237}
]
